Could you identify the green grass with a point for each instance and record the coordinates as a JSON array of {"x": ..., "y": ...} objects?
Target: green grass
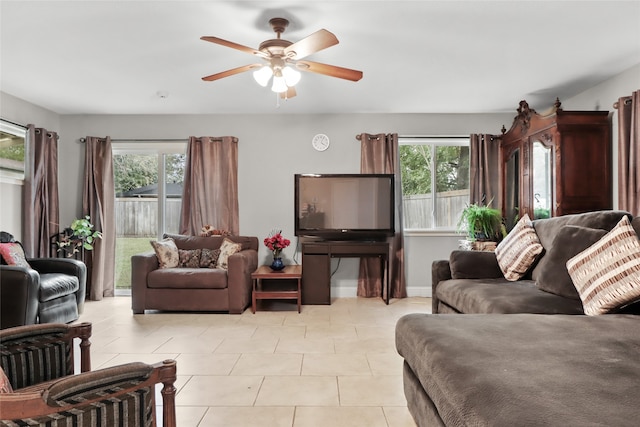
[{"x": 125, "y": 248}]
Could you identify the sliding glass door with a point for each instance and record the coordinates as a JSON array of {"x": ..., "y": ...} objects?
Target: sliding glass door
[{"x": 148, "y": 179}]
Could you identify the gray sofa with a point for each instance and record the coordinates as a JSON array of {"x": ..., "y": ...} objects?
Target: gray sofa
[
  {"x": 472, "y": 282},
  {"x": 486, "y": 368}
]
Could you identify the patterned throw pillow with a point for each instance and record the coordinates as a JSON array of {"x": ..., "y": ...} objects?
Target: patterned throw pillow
[
  {"x": 607, "y": 274},
  {"x": 5, "y": 385},
  {"x": 167, "y": 252},
  {"x": 227, "y": 249},
  {"x": 13, "y": 254},
  {"x": 517, "y": 252},
  {"x": 209, "y": 258},
  {"x": 189, "y": 258}
]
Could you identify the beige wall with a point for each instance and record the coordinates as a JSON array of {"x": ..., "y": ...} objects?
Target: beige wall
[{"x": 274, "y": 147}]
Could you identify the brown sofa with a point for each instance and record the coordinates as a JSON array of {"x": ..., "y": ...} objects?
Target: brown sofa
[
  {"x": 506, "y": 362},
  {"x": 471, "y": 282},
  {"x": 195, "y": 289}
]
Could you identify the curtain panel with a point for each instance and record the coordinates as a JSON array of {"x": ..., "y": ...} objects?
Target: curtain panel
[
  {"x": 40, "y": 199},
  {"x": 484, "y": 170},
  {"x": 98, "y": 201},
  {"x": 210, "y": 191},
  {"x": 629, "y": 153},
  {"x": 380, "y": 154}
]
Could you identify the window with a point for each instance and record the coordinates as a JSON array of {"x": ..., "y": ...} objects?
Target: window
[
  {"x": 12, "y": 149},
  {"x": 435, "y": 181}
]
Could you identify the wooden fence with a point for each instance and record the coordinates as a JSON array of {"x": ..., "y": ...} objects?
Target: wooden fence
[
  {"x": 449, "y": 205},
  {"x": 138, "y": 217}
]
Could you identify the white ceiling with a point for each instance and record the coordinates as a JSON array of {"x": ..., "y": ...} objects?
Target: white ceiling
[{"x": 113, "y": 57}]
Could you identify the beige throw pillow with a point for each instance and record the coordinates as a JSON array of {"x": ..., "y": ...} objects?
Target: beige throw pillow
[
  {"x": 517, "y": 252},
  {"x": 607, "y": 274},
  {"x": 227, "y": 249},
  {"x": 167, "y": 252}
]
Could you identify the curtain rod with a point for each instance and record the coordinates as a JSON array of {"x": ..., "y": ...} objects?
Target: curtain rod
[
  {"x": 627, "y": 101},
  {"x": 83, "y": 140}
]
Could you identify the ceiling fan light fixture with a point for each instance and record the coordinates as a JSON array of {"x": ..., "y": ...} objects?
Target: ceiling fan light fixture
[
  {"x": 262, "y": 75},
  {"x": 291, "y": 76}
]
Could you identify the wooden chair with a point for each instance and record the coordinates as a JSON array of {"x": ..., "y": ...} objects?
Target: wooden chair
[{"x": 38, "y": 359}]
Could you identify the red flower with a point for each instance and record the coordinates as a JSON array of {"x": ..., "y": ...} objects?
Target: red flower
[{"x": 275, "y": 242}]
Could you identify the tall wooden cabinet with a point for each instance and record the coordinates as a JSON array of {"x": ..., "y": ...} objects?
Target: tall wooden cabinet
[{"x": 555, "y": 164}]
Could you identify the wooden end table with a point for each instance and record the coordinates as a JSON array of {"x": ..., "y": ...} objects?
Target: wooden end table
[{"x": 276, "y": 290}]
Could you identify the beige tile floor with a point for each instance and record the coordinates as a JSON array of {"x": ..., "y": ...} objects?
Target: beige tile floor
[{"x": 332, "y": 365}]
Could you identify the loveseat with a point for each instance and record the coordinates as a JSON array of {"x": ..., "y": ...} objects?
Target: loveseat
[
  {"x": 195, "y": 288},
  {"x": 524, "y": 353}
]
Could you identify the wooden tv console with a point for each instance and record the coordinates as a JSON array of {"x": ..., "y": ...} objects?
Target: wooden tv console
[{"x": 316, "y": 265}]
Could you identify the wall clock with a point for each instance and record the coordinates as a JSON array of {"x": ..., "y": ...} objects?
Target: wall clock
[{"x": 320, "y": 142}]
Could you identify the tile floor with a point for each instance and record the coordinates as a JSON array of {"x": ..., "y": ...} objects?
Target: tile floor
[{"x": 333, "y": 365}]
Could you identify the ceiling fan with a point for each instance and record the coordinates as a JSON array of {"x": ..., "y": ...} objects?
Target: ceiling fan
[{"x": 283, "y": 59}]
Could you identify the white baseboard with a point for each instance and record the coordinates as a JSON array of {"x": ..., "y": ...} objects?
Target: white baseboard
[{"x": 350, "y": 292}]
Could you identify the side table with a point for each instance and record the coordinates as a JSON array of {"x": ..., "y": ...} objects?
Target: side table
[{"x": 278, "y": 288}]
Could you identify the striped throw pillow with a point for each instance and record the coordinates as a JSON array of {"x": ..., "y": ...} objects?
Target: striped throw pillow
[
  {"x": 517, "y": 252},
  {"x": 607, "y": 274}
]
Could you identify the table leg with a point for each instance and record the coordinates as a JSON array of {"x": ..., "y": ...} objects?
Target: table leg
[
  {"x": 299, "y": 293},
  {"x": 253, "y": 296}
]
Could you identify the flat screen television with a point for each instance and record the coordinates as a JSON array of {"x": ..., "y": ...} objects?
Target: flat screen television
[{"x": 344, "y": 206}]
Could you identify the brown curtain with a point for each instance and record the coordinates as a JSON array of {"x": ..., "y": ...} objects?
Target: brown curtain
[
  {"x": 210, "y": 191},
  {"x": 629, "y": 153},
  {"x": 98, "y": 201},
  {"x": 40, "y": 198},
  {"x": 484, "y": 179},
  {"x": 380, "y": 154}
]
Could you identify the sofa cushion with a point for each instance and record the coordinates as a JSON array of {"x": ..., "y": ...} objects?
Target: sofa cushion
[
  {"x": 607, "y": 274},
  {"x": 56, "y": 285},
  {"x": 211, "y": 242},
  {"x": 548, "y": 229},
  {"x": 517, "y": 252},
  {"x": 13, "y": 254},
  {"x": 209, "y": 258},
  {"x": 187, "y": 278},
  {"x": 227, "y": 249},
  {"x": 503, "y": 296},
  {"x": 570, "y": 241},
  {"x": 525, "y": 369},
  {"x": 167, "y": 252},
  {"x": 189, "y": 258}
]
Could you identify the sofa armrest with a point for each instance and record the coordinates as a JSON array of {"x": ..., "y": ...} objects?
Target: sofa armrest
[
  {"x": 141, "y": 265},
  {"x": 241, "y": 265},
  {"x": 439, "y": 271},
  {"x": 474, "y": 265},
  {"x": 19, "y": 289}
]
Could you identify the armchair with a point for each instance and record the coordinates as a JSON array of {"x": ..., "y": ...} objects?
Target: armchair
[
  {"x": 122, "y": 395},
  {"x": 48, "y": 290}
]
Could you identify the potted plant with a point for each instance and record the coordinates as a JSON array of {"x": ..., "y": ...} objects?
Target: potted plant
[
  {"x": 79, "y": 237},
  {"x": 481, "y": 223}
]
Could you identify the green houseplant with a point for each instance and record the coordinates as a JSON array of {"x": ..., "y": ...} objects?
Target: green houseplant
[
  {"x": 481, "y": 223},
  {"x": 80, "y": 236}
]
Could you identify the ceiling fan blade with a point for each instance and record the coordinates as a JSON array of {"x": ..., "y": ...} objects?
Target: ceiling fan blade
[
  {"x": 313, "y": 43},
  {"x": 233, "y": 45},
  {"x": 329, "y": 70},
  {"x": 231, "y": 72},
  {"x": 289, "y": 93}
]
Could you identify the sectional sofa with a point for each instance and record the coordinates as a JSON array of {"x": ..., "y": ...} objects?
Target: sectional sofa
[{"x": 524, "y": 353}]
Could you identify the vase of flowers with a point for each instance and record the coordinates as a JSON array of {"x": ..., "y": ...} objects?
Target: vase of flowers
[{"x": 276, "y": 243}]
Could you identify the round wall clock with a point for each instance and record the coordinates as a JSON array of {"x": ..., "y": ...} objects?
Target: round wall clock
[{"x": 320, "y": 142}]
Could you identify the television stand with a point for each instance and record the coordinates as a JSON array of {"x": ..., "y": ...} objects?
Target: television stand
[{"x": 316, "y": 265}]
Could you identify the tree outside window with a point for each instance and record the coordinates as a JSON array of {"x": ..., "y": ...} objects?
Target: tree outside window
[{"x": 435, "y": 181}]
